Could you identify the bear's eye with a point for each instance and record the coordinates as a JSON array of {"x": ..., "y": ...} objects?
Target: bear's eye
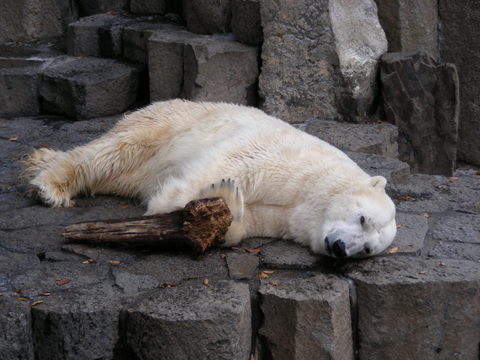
[{"x": 362, "y": 220}]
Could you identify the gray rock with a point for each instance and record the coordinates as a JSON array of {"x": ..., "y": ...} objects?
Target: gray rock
[
  {"x": 91, "y": 7},
  {"x": 203, "y": 68},
  {"x": 324, "y": 66},
  {"x": 436, "y": 301},
  {"x": 457, "y": 227},
  {"x": 242, "y": 266},
  {"x": 135, "y": 39},
  {"x": 465, "y": 192},
  {"x": 246, "y": 21},
  {"x": 187, "y": 322},
  {"x": 421, "y": 98},
  {"x": 285, "y": 254},
  {"x": 15, "y": 326},
  {"x": 410, "y": 25},
  {"x": 307, "y": 318},
  {"x": 207, "y": 16},
  {"x": 148, "y": 6},
  {"x": 460, "y": 45},
  {"x": 76, "y": 326},
  {"x": 88, "y": 87},
  {"x": 411, "y": 232},
  {"x": 456, "y": 251},
  {"x": 379, "y": 139},
  {"x": 97, "y": 35},
  {"x": 24, "y": 20},
  {"x": 19, "y": 87},
  {"x": 394, "y": 170}
]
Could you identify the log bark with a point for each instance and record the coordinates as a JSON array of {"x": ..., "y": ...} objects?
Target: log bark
[{"x": 201, "y": 224}]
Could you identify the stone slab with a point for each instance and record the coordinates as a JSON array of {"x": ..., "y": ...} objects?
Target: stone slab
[
  {"x": 31, "y": 20},
  {"x": 436, "y": 301},
  {"x": 410, "y": 25},
  {"x": 379, "y": 139},
  {"x": 207, "y": 16},
  {"x": 306, "y": 318},
  {"x": 91, "y": 7},
  {"x": 200, "y": 67},
  {"x": 162, "y": 324},
  {"x": 148, "y": 6},
  {"x": 242, "y": 266},
  {"x": 285, "y": 254},
  {"x": 394, "y": 170},
  {"x": 88, "y": 87},
  {"x": 246, "y": 21},
  {"x": 411, "y": 233},
  {"x": 457, "y": 227},
  {"x": 460, "y": 45},
  {"x": 15, "y": 326}
]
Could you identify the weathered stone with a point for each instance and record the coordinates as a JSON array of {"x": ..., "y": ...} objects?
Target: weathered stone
[
  {"x": 325, "y": 66},
  {"x": 97, "y": 35},
  {"x": 162, "y": 324},
  {"x": 411, "y": 232},
  {"x": 379, "y": 139},
  {"x": 456, "y": 251},
  {"x": 207, "y": 16},
  {"x": 457, "y": 227},
  {"x": 135, "y": 39},
  {"x": 285, "y": 254},
  {"x": 148, "y": 6},
  {"x": 242, "y": 266},
  {"x": 394, "y": 170},
  {"x": 91, "y": 7},
  {"x": 246, "y": 21},
  {"x": 88, "y": 87},
  {"x": 203, "y": 68},
  {"x": 15, "y": 326},
  {"x": 19, "y": 87},
  {"x": 74, "y": 326},
  {"x": 465, "y": 191},
  {"x": 397, "y": 297},
  {"x": 307, "y": 318},
  {"x": 29, "y": 20},
  {"x": 421, "y": 98},
  {"x": 460, "y": 45},
  {"x": 410, "y": 25}
]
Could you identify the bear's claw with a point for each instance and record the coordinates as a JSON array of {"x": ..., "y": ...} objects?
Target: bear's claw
[{"x": 227, "y": 190}]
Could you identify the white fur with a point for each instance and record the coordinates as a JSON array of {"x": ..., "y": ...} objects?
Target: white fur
[{"x": 284, "y": 182}]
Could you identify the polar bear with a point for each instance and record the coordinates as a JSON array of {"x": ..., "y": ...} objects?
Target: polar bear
[{"x": 277, "y": 180}]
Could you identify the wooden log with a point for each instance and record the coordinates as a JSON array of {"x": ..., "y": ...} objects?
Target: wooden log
[{"x": 199, "y": 225}]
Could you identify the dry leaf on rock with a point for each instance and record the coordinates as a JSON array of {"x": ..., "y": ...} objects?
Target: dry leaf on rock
[
  {"x": 62, "y": 281},
  {"x": 38, "y": 302},
  {"x": 114, "y": 262},
  {"x": 254, "y": 251},
  {"x": 393, "y": 250}
]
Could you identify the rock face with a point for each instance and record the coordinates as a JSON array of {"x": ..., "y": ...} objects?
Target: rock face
[
  {"x": 461, "y": 46},
  {"x": 323, "y": 67},
  {"x": 91, "y": 7},
  {"x": 197, "y": 67},
  {"x": 410, "y": 25},
  {"x": 246, "y": 21},
  {"x": 203, "y": 322},
  {"x": 207, "y": 16},
  {"x": 422, "y": 99},
  {"x": 24, "y": 20},
  {"x": 417, "y": 309},
  {"x": 90, "y": 87},
  {"x": 307, "y": 319}
]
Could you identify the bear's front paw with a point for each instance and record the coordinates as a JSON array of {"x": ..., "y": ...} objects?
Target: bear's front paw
[
  {"x": 228, "y": 191},
  {"x": 54, "y": 195}
]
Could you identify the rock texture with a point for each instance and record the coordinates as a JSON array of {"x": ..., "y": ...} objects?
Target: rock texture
[
  {"x": 89, "y": 87},
  {"x": 307, "y": 319},
  {"x": 410, "y": 25},
  {"x": 196, "y": 67},
  {"x": 207, "y": 16},
  {"x": 29, "y": 20},
  {"x": 91, "y": 7},
  {"x": 323, "y": 67},
  {"x": 422, "y": 98},
  {"x": 246, "y": 21},
  {"x": 460, "y": 45}
]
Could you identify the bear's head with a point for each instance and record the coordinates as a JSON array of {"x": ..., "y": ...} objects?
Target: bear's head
[{"x": 357, "y": 222}]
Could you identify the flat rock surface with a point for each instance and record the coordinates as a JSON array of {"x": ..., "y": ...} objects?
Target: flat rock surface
[{"x": 85, "y": 290}]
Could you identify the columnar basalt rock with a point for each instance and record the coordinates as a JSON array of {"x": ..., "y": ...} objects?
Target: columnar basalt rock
[
  {"x": 24, "y": 20},
  {"x": 410, "y": 25},
  {"x": 460, "y": 45},
  {"x": 91, "y": 7},
  {"x": 202, "y": 321},
  {"x": 324, "y": 66},
  {"x": 437, "y": 301},
  {"x": 421, "y": 97},
  {"x": 201, "y": 67},
  {"x": 246, "y": 21},
  {"x": 88, "y": 87},
  {"x": 207, "y": 16},
  {"x": 307, "y": 319}
]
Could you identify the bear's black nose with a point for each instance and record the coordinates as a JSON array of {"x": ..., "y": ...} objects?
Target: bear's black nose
[{"x": 338, "y": 249}]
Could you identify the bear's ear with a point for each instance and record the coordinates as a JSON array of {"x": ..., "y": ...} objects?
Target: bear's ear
[{"x": 378, "y": 182}]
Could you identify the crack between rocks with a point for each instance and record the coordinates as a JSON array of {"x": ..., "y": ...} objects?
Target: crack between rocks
[{"x": 354, "y": 317}]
